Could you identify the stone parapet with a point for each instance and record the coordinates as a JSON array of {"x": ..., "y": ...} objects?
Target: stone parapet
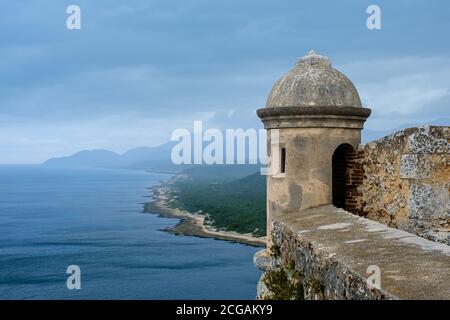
[
  {"x": 403, "y": 181},
  {"x": 328, "y": 253}
]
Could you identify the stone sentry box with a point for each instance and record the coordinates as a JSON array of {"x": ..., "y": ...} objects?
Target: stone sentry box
[
  {"x": 319, "y": 246},
  {"x": 316, "y": 111}
]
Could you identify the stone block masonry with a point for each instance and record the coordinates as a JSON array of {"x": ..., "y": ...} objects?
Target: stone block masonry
[
  {"x": 394, "y": 195},
  {"x": 325, "y": 253},
  {"x": 403, "y": 181}
]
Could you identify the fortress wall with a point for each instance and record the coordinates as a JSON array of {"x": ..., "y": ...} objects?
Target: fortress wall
[
  {"x": 328, "y": 253},
  {"x": 403, "y": 181}
]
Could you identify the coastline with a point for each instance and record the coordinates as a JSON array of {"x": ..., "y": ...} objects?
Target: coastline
[{"x": 192, "y": 224}]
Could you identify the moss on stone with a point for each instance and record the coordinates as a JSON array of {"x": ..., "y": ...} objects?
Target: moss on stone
[
  {"x": 291, "y": 265},
  {"x": 284, "y": 284},
  {"x": 315, "y": 286},
  {"x": 275, "y": 250}
]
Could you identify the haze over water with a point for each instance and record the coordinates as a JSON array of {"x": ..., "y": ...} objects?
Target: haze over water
[{"x": 51, "y": 218}]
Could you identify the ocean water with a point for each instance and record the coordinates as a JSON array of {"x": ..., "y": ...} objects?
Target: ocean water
[{"x": 51, "y": 218}]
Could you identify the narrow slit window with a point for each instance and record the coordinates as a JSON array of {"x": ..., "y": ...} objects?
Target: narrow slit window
[{"x": 283, "y": 160}]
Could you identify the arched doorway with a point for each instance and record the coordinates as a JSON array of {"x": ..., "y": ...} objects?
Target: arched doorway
[{"x": 341, "y": 175}]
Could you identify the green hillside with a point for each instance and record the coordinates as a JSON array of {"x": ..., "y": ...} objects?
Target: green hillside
[{"x": 234, "y": 197}]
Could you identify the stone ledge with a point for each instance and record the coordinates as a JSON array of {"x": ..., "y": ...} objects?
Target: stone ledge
[
  {"x": 335, "y": 248},
  {"x": 313, "y": 117},
  {"x": 315, "y": 110}
]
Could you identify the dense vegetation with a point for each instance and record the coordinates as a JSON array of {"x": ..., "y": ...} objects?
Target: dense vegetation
[{"x": 232, "y": 197}]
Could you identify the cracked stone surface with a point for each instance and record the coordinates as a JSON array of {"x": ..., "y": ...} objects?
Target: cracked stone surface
[
  {"x": 411, "y": 267},
  {"x": 406, "y": 181}
]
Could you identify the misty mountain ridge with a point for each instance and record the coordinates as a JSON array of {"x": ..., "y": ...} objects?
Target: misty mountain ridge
[
  {"x": 136, "y": 158},
  {"x": 159, "y": 158}
]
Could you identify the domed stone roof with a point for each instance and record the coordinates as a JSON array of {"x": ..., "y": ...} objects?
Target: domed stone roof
[{"x": 313, "y": 82}]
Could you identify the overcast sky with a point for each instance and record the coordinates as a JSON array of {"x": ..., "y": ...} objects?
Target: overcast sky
[{"x": 139, "y": 69}]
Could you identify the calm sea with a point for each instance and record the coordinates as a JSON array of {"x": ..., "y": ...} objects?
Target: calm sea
[{"x": 51, "y": 218}]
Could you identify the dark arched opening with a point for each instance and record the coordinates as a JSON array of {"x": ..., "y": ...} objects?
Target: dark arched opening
[{"x": 341, "y": 171}]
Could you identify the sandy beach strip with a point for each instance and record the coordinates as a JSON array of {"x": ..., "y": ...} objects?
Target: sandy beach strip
[{"x": 192, "y": 224}]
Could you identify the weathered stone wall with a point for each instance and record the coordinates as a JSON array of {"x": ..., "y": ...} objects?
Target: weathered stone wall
[
  {"x": 328, "y": 253},
  {"x": 403, "y": 181}
]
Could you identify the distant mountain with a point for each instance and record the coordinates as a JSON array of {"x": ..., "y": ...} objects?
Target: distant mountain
[
  {"x": 87, "y": 158},
  {"x": 146, "y": 158},
  {"x": 142, "y": 158},
  {"x": 158, "y": 158},
  {"x": 145, "y": 154}
]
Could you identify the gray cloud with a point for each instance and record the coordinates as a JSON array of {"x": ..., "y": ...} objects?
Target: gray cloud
[
  {"x": 403, "y": 90},
  {"x": 138, "y": 70}
]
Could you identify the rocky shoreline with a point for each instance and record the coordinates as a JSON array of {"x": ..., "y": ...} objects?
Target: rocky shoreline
[{"x": 192, "y": 224}]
